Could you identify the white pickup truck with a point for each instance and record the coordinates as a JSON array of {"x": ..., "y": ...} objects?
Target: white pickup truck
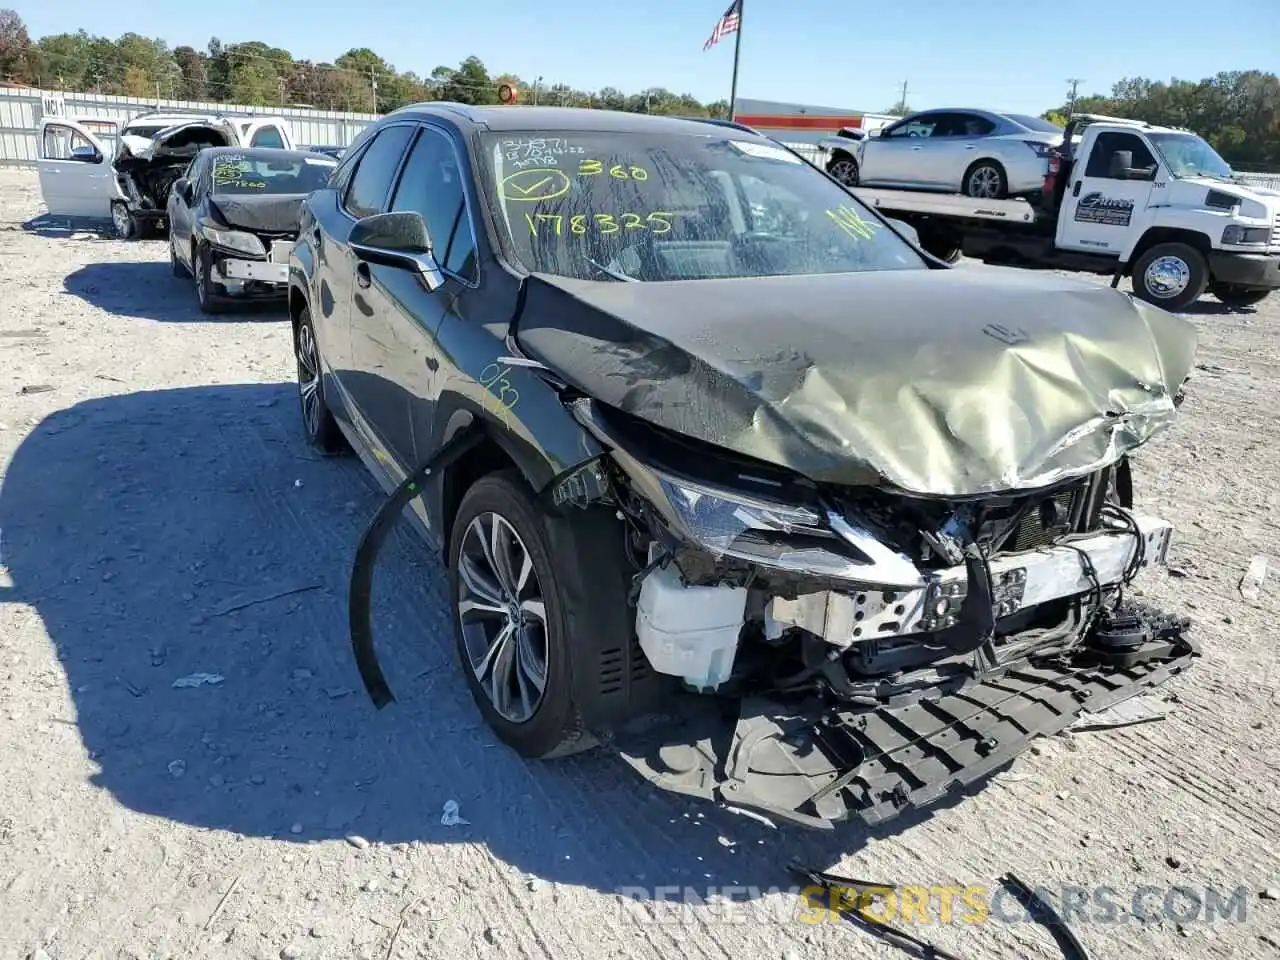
[
  {"x": 1120, "y": 197},
  {"x": 88, "y": 169}
]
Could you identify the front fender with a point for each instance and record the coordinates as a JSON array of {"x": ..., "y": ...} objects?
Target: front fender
[{"x": 522, "y": 413}]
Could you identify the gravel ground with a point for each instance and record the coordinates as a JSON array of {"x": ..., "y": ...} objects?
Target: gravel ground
[{"x": 162, "y": 517}]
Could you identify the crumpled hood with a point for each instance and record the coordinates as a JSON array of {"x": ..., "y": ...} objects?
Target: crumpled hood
[
  {"x": 940, "y": 382},
  {"x": 182, "y": 140},
  {"x": 276, "y": 213}
]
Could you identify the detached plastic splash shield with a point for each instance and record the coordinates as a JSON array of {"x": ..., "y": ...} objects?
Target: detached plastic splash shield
[{"x": 817, "y": 766}]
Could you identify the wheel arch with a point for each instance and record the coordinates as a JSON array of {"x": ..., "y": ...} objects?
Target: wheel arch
[
  {"x": 560, "y": 446},
  {"x": 993, "y": 161},
  {"x": 1157, "y": 235}
]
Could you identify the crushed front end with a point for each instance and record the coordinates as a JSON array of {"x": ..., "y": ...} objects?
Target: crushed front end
[
  {"x": 249, "y": 264},
  {"x": 860, "y": 651}
]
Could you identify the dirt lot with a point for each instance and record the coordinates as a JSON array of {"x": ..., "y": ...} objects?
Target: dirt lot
[{"x": 157, "y": 481}]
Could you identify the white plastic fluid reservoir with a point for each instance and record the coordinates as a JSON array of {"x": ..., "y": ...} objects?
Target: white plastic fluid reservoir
[{"x": 689, "y": 632}]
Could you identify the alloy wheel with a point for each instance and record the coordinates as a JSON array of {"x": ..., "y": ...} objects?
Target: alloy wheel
[
  {"x": 503, "y": 615},
  {"x": 309, "y": 378},
  {"x": 120, "y": 220},
  {"x": 984, "y": 183},
  {"x": 846, "y": 171}
]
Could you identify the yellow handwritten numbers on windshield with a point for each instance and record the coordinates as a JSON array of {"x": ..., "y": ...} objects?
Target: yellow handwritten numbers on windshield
[
  {"x": 543, "y": 224},
  {"x": 848, "y": 220},
  {"x": 619, "y": 171}
]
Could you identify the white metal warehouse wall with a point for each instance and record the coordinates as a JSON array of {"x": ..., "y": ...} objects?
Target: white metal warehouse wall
[{"x": 21, "y": 111}]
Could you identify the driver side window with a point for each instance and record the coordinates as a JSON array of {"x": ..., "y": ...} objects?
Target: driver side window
[
  {"x": 62, "y": 143},
  {"x": 1109, "y": 144}
]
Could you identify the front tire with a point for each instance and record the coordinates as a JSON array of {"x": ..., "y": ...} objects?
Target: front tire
[
  {"x": 124, "y": 226},
  {"x": 844, "y": 168},
  {"x": 206, "y": 287},
  {"x": 512, "y": 616},
  {"x": 321, "y": 428},
  {"x": 986, "y": 180},
  {"x": 1170, "y": 275},
  {"x": 176, "y": 266},
  {"x": 1234, "y": 295}
]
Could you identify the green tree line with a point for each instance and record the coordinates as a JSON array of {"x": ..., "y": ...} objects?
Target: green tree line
[
  {"x": 1238, "y": 112},
  {"x": 256, "y": 74}
]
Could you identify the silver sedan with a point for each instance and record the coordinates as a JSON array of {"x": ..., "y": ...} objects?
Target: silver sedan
[{"x": 974, "y": 152}]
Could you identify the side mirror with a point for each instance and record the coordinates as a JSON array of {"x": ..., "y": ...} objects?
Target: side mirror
[
  {"x": 86, "y": 154},
  {"x": 183, "y": 188},
  {"x": 397, "y": 239}
]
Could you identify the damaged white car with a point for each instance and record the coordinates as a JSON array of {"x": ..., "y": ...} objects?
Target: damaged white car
[{"x": 89, "y": 170}]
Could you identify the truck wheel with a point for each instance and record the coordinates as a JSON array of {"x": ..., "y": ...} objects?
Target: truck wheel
[
  {"x": 986, "y": 180},
  {"x": 1170, "y": 275},
  {"x": 844, "y": 168},
  {"x": 1234, "y": 295},
  {"x": 123, "y": 223}
]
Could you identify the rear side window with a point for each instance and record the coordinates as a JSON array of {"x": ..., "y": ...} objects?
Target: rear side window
[
  {"x": 268, "y": 137},
  {"x": 371, "y": 183},
  {"x": 432, "y": 186}
]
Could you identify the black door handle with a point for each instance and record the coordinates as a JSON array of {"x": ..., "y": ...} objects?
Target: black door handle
[
  {"x": 1075, "y": 191},
  {"x": 363, "y": 277}
]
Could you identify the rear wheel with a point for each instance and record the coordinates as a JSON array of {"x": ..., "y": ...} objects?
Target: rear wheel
[
  {"x": 844, "y": 168},
  {"x": 1170, "y": 275},
  {"x": 1234, "y": 295},
  {"x": 986, "y": 180},
  {"x": 317, "y": 420}
]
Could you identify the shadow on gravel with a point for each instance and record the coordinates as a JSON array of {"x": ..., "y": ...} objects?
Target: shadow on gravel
[
  {"x": 1212, "y": 308},
  {"x": 148, "y": 290},
  {"x": 64, "y": 228},
  {"x": 169, "y": 534}
]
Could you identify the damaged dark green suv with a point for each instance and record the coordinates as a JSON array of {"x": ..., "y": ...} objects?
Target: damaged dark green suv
[{"x": 788, "y": 513}]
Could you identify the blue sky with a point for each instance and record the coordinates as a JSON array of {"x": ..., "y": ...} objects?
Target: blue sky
[{"x": 1003, "y": 54}]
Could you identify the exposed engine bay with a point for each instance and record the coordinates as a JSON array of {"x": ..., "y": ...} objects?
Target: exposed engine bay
[
  {"x": 865, "y": 651},
  {"x": 147, "y": 167}
]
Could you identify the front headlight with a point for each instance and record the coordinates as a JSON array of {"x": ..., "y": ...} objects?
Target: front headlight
[
  {"x": 1239, "y": 235},
  {"x": 235, "y": 240},
  {"x": 774, "y": 534}
]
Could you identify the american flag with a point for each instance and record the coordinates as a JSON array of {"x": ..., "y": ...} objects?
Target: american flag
[{"x": 727, "y": 24}]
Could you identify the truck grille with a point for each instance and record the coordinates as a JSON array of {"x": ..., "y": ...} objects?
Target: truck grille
[{"x": 1275, "y": 232}]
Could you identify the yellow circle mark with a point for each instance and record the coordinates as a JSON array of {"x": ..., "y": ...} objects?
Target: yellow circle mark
[{"x": 539, "y": 183}]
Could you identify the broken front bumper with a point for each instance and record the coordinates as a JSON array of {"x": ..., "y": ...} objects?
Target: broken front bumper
[
  {"x": 275, "y": 269},
  {"x": 817, "y": 765},
  {"x": 1019, "y": 581}
]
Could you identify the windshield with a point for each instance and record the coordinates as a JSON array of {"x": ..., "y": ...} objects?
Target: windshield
[
  {"x": 1190, "y": 156},
  {"x": 1034, "y": 123},
  {"x": 639, "y": 206},
  {"x": 235, "y": 173}
]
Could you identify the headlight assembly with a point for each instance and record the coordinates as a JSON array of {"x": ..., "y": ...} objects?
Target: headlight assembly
[
  {"x": 235, "y": 240},
  {"x": 788, "y": 537}
]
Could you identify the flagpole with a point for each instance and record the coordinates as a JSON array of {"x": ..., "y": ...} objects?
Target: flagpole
[{"x": 737, "y": 46}]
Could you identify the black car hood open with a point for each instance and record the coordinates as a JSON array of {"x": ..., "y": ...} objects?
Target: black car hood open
[
  {"x": 278, "y": 213},
  {"x": 935, "y": 382}
]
